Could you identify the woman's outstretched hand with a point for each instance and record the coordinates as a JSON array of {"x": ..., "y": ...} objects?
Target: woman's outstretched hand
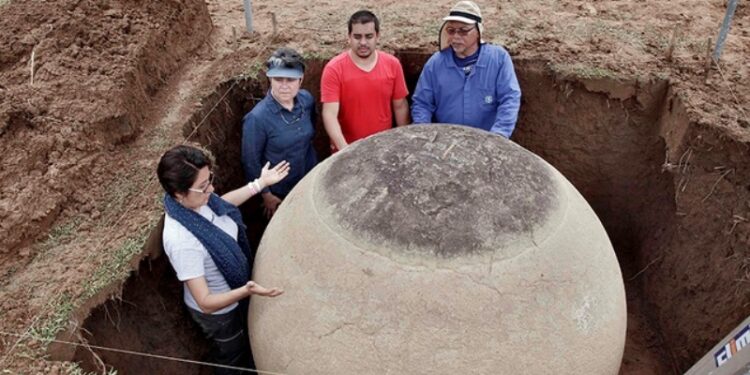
[
  {"x": 270, "y": 176},
  {"x": 257, "y": 289}
]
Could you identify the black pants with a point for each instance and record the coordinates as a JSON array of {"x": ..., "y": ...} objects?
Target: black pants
[{"x": 228, "y": 334}]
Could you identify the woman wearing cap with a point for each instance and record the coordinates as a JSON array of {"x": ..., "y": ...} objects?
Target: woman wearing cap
[
  {"x": 204, "y": 238},
  {"x": 280, "y": 127}
]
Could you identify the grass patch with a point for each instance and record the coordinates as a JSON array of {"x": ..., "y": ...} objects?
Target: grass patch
[
  {"x": 72, "y": 368},
  {"x": 125, "y": 188},
  {"x": 61, "y": 234},
  {"x": 62, "y": 307},
  {"x": 253, "y": 70},
  {"x": 605, "y": 30},
  {"x": 584, "y": 71},
  {"x": 316, "y": 56},
  {"x": 116, "y": 267},
  {"x": 3, "y": 2},
  {"x": 160, "y": 141}
]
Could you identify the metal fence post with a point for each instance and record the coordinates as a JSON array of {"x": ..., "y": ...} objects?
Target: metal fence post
[
  {"x": 249, "y": 15},
  {"x": 731, "y": 7}
]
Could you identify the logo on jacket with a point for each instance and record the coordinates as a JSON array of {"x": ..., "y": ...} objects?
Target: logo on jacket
[
  {"x": 488, "y": 99},
  {"x": 730, "y": 349}
]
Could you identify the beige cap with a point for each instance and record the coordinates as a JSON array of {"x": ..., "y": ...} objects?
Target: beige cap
[{"x": 464, "y": 11}]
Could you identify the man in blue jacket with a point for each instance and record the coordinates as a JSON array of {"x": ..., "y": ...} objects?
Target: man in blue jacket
[{"x": 471, "y": 83}]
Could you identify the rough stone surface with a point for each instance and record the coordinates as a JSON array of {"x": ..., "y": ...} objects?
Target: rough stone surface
[
  {"x": 409, "y": 187},
  {"x": 368, "y": 299}
]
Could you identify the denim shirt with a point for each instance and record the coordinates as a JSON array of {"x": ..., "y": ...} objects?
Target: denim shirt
[
  {"x": 271, "y": 133},
  {"x": 488, "y": 98}
]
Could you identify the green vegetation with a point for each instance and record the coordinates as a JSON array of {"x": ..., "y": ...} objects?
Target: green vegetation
[
  {"x": 126, "y": 185},
  {"x": 62, "y": 307},
  {"x": 606, "y": 30},
  {"x": 253, "y": 70},
  {"x": 316, "y": 56},
  {"x": 584, "y": 71},
  {"x": 72, "y": 368},
  {"x": 160, "y": 141},
  {"x": 116, "y": 267},
  {"x": 62, "y": 233}
]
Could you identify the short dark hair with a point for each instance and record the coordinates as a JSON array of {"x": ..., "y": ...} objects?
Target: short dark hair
[
  {"x": 287, "y": 58},
  {"x": 178, "y": 168},
  {"x": 363, "y": 17}
]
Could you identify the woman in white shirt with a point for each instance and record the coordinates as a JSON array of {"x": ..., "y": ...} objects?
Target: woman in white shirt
[{"x": 204, "y": 238}]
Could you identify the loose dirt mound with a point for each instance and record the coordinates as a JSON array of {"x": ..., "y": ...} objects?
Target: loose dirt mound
[{"x": 95, "y": 66}]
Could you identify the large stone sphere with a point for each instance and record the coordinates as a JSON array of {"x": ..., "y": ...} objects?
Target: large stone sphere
[{"x": 437, "y": 249}]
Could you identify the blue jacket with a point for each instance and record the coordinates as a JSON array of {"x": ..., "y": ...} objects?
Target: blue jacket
[
  {"x": 270, "y": 133},
  {"x": 488, "y": 98}
]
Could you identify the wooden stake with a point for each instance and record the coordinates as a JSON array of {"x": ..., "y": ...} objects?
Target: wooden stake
[
  {"x": 672, "y": 42},
  {"x": 709, "y": 59},
  {"x": 274, "y": 23},
  {"x": 33, "y": 54}
]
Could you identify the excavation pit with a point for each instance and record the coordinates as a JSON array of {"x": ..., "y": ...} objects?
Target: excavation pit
[{"x": 622, "y": 143}]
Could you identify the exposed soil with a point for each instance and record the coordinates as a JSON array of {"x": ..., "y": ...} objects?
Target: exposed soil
[
  {"x": 661, "y": 152},
  {"x": 149, "y": 317}
]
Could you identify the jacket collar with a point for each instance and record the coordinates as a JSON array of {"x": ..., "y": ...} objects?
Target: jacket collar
[
  {"x": 275, "y": 107},
  {"x": 481, "y": 61}
]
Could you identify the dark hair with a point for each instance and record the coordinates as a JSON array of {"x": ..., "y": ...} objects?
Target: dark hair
[
  {"x": 287, "y": 58},
  {"x": 363, "y": 17},
  {"x": 178, "y": 168}
]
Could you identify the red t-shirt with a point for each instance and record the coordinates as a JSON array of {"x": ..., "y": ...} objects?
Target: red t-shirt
[{"x": 364, "y": 97}]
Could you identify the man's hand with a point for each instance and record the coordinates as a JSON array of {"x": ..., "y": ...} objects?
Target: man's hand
[
  {"x": 270, "y": 204},
  {"x": 333, "y": 127},
  {"x": 257, "y": 289}
]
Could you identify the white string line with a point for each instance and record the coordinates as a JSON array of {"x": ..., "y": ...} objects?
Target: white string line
[
  {"x": 155, "y": 356},
  {"x": 23, "y": 336},
  {"x": 210, "y": 111}
]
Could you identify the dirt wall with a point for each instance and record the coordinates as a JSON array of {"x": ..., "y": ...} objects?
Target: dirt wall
[
  {"x": 672, "y": 193},
  {"x": 90, "y": 87},
  {"x": 602, "y": 134},
  {"x": 150, "y": 317},
  {"x": 697, "y": 284}
]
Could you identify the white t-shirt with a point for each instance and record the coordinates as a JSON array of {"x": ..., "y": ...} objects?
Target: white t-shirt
[{"x": 191, "y": 260}]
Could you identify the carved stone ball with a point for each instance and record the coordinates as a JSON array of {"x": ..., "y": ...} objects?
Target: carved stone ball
[{"x": 437, "y": 249}]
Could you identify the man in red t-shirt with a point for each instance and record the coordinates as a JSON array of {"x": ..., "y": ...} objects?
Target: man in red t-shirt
[{"x": 361, "y": 86}]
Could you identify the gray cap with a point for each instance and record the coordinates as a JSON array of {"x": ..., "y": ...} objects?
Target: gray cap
[
  {"x": 285, "y": 62},
  {"x": 282, "y": 71}
]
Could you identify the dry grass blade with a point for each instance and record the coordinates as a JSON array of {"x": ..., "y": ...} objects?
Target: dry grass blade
[{"x": 713, "y": 187}]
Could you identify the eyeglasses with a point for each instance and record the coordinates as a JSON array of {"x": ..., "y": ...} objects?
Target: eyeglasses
[
  {"x": 208, "y": 185},
  {"x": 460, "y": 31}
]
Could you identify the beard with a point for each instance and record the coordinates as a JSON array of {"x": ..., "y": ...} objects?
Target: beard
[{"x": 363, "y": 52}]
